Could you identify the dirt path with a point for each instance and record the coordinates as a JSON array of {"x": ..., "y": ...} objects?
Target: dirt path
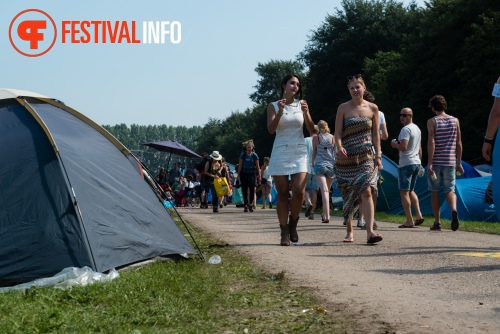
[{"x": 411, "y": 282}]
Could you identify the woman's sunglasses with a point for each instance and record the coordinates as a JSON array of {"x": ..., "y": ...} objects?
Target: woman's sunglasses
[{"x": 353, "y": 76}]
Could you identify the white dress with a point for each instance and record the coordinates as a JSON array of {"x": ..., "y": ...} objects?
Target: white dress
[{"x": 289, "y": 154}]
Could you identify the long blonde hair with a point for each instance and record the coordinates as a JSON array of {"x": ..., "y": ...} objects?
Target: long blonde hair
[{"x": 323, "y": 125}]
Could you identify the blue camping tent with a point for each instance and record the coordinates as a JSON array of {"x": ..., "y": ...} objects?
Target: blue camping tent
[
  {"x": 388, "y": 191},
  {"x": 470, "y": 201},
  {"x": 70, "y": 195},
  {"x": 496, "y": 175}
]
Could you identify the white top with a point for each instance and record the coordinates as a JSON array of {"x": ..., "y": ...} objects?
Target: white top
[
  {"x": 188, "y": 185},
  {"x": 381, "y": 119},
  {"x": 411, "y": 133},
  {"x": 266, "y": 175},
  {"x": 309, "y": 147},
  {"x": 289, "y": 154}
]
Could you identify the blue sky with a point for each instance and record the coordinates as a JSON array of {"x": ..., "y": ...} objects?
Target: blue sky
[{"x": 210, "y": 73}]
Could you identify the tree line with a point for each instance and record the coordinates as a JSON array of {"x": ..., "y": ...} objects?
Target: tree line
[{"x": 406, "y": 55}]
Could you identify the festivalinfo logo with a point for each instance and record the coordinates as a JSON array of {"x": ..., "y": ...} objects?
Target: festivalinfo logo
[{"x": 33, "y": 32}]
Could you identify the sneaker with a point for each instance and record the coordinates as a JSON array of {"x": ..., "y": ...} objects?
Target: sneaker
[
  {"x": 250, "y": 208},
  {"x": 216, "y": 210},
  {"x": 361, "y": 223},
  {"x": 308, "y": 211},
  {"x": 246, "y": 209},
  {"x": 454, "y": 221},
  {"x": 436, "y": 227},
  {"x": 311, "y": 216},
  {"x": 375, "y": 226},
  {"x": 221, "y": 206}
]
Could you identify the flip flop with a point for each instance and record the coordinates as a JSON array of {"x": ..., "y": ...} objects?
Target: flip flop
[
  {"x": 374, "y": 238},
  {"x": 349, "y": 239},
  {"x": 419, "y": 221},
  {"x": 406, "y": 226}
]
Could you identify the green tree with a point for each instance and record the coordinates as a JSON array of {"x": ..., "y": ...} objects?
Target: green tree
[
  {"x": 270, "y": 75},
  {"x": 341, "y": 44}
]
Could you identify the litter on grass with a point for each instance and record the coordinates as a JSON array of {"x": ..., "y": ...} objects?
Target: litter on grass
[
  {"x": 215, "y": 259},
  {"x": 66, "y": 278},
  {"x": 315, "y": 310}
]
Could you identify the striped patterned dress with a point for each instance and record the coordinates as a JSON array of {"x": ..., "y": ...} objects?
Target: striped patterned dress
[
  {"x": 356, "y": 172},
  {"x": 445, "y": 142}
]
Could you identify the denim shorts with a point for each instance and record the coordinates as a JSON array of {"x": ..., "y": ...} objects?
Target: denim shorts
[
  {"x": 311, "y": 182},
  {"x": 326, "y": 170},
  {"x": 444, "y": 173},
  {"x": 407, "y": 176}
]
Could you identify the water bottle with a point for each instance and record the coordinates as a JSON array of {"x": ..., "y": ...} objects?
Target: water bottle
[{"x": 421, "y": 172}]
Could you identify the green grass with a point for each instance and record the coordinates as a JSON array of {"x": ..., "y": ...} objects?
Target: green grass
[{"x": 190, "y": 296}]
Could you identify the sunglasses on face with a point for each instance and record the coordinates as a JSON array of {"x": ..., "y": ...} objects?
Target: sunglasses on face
[
  {"x": 353, "y": 76},
  {"x": 404, "y": 115}
]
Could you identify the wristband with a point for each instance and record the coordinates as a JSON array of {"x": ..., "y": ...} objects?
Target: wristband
[
  {"x": 488, "y": 140},
  {"x": 280, "y": 113}
]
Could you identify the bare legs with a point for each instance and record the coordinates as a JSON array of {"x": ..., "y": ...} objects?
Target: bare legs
[
  {"x": 451, "y": 199},
  {"x": 409, "y": 198},
  {"x": 281, "y": 183},
  {"x": 325, "y": 185},
  {"x": 266, "y": 194},
  {"x": 297, "y": 183}
]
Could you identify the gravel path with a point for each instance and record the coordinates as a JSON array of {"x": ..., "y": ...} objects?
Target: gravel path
[{"x": 411, "y": 282}]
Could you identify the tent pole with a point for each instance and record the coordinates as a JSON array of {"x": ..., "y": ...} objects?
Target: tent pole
[
  {"x": 169, "y": 198},
  {"x": 385, "y": 198}
]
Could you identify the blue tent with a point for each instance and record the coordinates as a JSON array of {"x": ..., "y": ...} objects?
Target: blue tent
[
  {"x": 71, "y": 196},
  {"x": 388, "y": 192},
  {"x": 470, "y": 201}
]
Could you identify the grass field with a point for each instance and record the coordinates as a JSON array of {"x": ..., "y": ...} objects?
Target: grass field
[{"x": 188, "y": 296}]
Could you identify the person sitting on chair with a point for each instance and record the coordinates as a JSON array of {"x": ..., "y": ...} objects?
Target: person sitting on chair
[{"x": 188, "y": 190}]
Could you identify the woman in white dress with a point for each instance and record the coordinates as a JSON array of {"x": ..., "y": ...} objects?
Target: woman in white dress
[{"x": 286, "y": 117}]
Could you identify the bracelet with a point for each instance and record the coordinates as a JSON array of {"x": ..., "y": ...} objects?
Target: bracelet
[
  {"x": 378, "y": 157},
  {"x": 280, "y": 113},
  {"x": 488, "y": 140}
]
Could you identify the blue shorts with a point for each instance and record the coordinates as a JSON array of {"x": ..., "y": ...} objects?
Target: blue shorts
[
  {"x": 311, "y": 182},
  {"x": 326, "y": 170},
  {"x": 444, "y": 173},
  {"x": 407, "y": 176}
]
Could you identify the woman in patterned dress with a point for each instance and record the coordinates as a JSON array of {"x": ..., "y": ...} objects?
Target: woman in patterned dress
[
  {"x": 286, "y": 117},
  {"x": 356, "y": 166}
]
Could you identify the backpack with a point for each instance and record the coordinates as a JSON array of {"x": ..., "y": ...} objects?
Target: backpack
[{"x": 200, "y": 166}]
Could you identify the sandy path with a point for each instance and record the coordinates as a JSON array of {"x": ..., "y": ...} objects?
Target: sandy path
[{"x": 411, "y": 282}]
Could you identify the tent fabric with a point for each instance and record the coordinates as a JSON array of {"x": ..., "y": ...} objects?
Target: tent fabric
[
  {"x": 85, "y": 206},
  {"x": 470, "y": 201},
  {"x": 388, "y": 191},
  {"x": 496, "y": 176}
]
